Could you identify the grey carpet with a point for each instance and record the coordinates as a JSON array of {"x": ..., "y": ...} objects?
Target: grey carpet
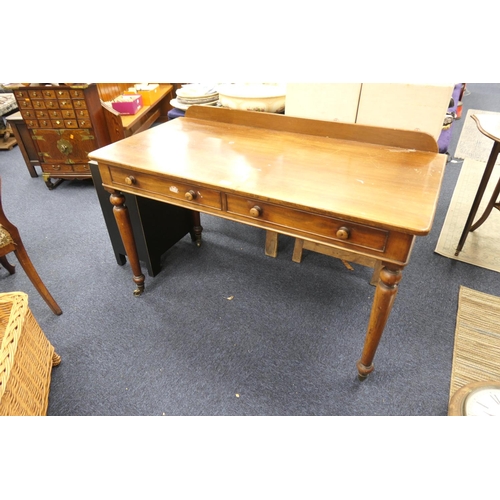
[{"x": 286, "y": 344}]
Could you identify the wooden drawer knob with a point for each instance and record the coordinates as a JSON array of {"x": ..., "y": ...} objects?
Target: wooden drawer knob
[
  {"x": 190, "y": 195},
  {"x": 256, "y": 211},
  {"x": 343, "y": 233},
  {"x": 130, "y": 180}
]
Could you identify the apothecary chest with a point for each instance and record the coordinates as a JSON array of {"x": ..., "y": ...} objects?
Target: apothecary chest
[{"x": 66, "y": 122}]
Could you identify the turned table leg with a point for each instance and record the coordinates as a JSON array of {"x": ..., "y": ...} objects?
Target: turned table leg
[
  {"x": 385, "y": 293},
  {"x": 196, "y": 229},
  {"x": 125, "y": 227}
]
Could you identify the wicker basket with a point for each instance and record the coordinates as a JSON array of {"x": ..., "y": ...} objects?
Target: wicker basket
[{"x": 26, "y": 359}]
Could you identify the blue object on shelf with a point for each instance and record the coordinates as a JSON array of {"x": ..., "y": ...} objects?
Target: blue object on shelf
[{"x": 175, "y": 113}]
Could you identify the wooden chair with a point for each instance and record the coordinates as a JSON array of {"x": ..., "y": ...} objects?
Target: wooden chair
[
  {"x": 10, "y": 241},
  {"x": 488, "y": 125}
]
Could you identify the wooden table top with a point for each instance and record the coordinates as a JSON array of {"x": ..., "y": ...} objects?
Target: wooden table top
[{"x": 391, "y": 187}]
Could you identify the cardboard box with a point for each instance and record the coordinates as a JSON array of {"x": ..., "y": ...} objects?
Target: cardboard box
[
  {"x": 407, "y": 106},
  {"x": 127, "y": 104},
  {"x": 333, "y": 102},
  {"x": 149, "y": 93}
]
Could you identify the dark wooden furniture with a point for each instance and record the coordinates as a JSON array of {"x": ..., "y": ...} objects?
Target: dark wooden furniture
[
  {"x": 25, "y": 142},
  {"x": 157, "y": 226},
  {"x": 58, "y": 126},
  {"x": 66, "y": 122},
  {"x": 10, "y": 241},
  {"x": 489, "y": 125},
  {"x": 121, "y": 126},
  {"x": 372, "y": 199}
]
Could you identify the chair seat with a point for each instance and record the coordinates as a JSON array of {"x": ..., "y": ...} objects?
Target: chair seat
[{"x": 5, "y": 237}]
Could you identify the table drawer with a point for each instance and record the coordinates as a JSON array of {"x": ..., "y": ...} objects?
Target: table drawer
[
  {"x": 337, "y": 230},
  {"x": 169, "y": 188}
]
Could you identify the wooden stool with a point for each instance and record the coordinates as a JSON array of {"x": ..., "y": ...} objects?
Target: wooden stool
[{"x": 489, "y": 125}]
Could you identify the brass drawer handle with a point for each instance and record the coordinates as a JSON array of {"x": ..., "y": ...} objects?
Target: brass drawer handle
[
  {"x": 343, "y": 233},
  {"x": 130, "y": 180},
  {"x": 256, "y": 211},
  {"x": 190, "y": 195}
]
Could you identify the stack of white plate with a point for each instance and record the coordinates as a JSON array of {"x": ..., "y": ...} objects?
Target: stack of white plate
[{"x": 195, "y": 93}]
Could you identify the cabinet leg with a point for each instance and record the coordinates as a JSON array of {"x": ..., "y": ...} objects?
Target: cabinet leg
[{"x": 48, "y": 181}]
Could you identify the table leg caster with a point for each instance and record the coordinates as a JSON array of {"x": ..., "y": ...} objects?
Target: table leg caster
[{"x": 364, "y": 371}]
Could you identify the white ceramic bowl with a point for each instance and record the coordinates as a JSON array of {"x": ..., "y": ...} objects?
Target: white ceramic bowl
[{"x": 253, "y": 97}]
